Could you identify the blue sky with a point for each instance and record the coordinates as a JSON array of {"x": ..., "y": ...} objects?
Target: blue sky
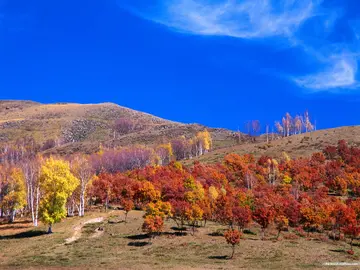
[{"x": 218, "y": 63}]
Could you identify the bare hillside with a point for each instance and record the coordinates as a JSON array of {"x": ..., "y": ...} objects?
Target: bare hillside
[
  {"x": 295, "y": 146},
  {"x": 83, "y": 127}
]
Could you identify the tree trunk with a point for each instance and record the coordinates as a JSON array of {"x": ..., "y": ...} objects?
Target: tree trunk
[
  {"x": 277, "y": 237},
  {"x": 82, "y": 203},
  {"x": 106, "y": 204},
  {"x": 31, "y": 195},
  {"x": 233, "y": 252},
  {"x": 50, "y": 229},
  {"x": 12, "y": 216},
  {"x": 37, "y": 206}
]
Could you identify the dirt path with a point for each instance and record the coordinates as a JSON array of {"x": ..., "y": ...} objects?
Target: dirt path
[
  {"x": 97, "y": 233},
  {"x": 77, "y": 229}
]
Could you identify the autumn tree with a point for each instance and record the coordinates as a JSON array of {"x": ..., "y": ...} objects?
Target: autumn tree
[
  {"x": 124, "y": 125},
  {"x": 281, "y": 223},
  {"x": 298, "y": 124},
  {"x": 145, "y": 193},
  {"x": 31, "y": 170},
  {"x": 154, "y": 217},
  {"x": 153, "y": 225},
  {"x": 232, "y": 237},
  {"x": 287, "y": 124},
  {"x": 279, "y": 128},
  {"x": 352, "y": 231},
  {"x": 121, "y": 160},
  {"x": 13, "y": 193},
  {"x": 306, "y": 122},
  {"x": 164, "y": 153},
  {"x": 194, "y": 215},
  {"x": 181, "y": 148},
  {"x": 102, "y": 189},
  {"x": 273, "y": 171},
  {"x": 255, "y": 126},
  {"x": 83, "y": 171},
  {"x": 241, "y": 216},
  {"x": 128, "y": 205},
  {"x": 264, "y": 212},
  {"x": 56, "y": 184}
]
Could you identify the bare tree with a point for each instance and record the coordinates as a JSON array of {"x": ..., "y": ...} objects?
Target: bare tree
[
  {"x": 298, "y": 125},
  {"x": 83, "y": 170},
  {"x": 306, "y": 122},
  {"x": 255, "y": 125},
  {"x": 124, "y": 125},
  {"x": 31, "y": 169},
  {"x": 279, "y": 128}
]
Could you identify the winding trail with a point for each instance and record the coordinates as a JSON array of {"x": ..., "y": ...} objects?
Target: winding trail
[{"x": 77, "y": 229}]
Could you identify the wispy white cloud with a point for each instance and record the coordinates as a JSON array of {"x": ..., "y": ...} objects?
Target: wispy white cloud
[
  {"x": 340, "y": 74},
  {"x": 258, "y": 19},
  {"x": 242, "y": 19}
]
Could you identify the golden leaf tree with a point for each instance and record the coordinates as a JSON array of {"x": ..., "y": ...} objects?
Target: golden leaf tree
[
  {"x": 56, "y": 183},
  {"x": 14, "y": 192}
]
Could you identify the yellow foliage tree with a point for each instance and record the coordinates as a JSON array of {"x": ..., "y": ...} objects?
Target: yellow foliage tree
[
  {"x": 15, "y": 193},
  {"x": 57, "y": 183},
  {"x": 287, "y": 179},
  {"x": 213, "y": 193},
  {"x": 164, "y": 153},
  {"x": 203, "y": 142}
]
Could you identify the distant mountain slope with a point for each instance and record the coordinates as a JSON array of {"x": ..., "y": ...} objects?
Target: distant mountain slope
[
  {"x": 83, "y": 127},
  {"x": 295, "y": 146}
]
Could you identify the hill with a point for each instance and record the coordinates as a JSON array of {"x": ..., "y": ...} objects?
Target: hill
[
  {"x": 83, "y": 127},
  {"x": 295, "y": 146}
]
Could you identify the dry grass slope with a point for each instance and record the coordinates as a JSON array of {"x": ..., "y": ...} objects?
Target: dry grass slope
[
  {"x": 295, "y": 146},
  {"x": 82, "y": 127}
]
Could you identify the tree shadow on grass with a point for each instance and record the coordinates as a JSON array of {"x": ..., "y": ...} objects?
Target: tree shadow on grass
[
  {"x": 138, "y": 237},
  {"x": 14, "y": 226},
  {"x": 177, "y": 233},
  {"x": 225, "y": 257},
  {"x": 138, "y": 244},
  {"x": 179, "y": 229},
  {"x": 21, "y": 235},
  {"x": 339, "y": 250},
  {"x": 216, "y": 234},
  {"x": 3, "y": 222}
]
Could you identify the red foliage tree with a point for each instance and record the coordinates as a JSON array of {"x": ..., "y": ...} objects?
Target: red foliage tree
[{"x": 232, "y": 237}]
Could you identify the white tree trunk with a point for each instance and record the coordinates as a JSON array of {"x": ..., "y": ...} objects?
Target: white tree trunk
[
  {"x": 82, "y": 203},
  {"x": 37, "y": 206}
]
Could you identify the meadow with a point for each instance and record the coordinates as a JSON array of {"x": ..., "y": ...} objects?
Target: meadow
[{"x": 120, "y": 245}]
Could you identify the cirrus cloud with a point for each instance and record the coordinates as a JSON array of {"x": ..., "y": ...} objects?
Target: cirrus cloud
[
  {"x": 340, "y": 74},
  {"x": 260, "y": 19}
]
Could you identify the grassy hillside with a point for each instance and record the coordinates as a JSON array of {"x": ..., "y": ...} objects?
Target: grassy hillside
[
  {"x": 295, "y": 146},
  {"x": 82, "y": 127},
  {"x": 122, "y": 245}
]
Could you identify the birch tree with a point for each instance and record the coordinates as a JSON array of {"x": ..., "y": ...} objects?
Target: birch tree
[
  {"x": 83, "y": 171},
  {"x": 31, "y": 169}
]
